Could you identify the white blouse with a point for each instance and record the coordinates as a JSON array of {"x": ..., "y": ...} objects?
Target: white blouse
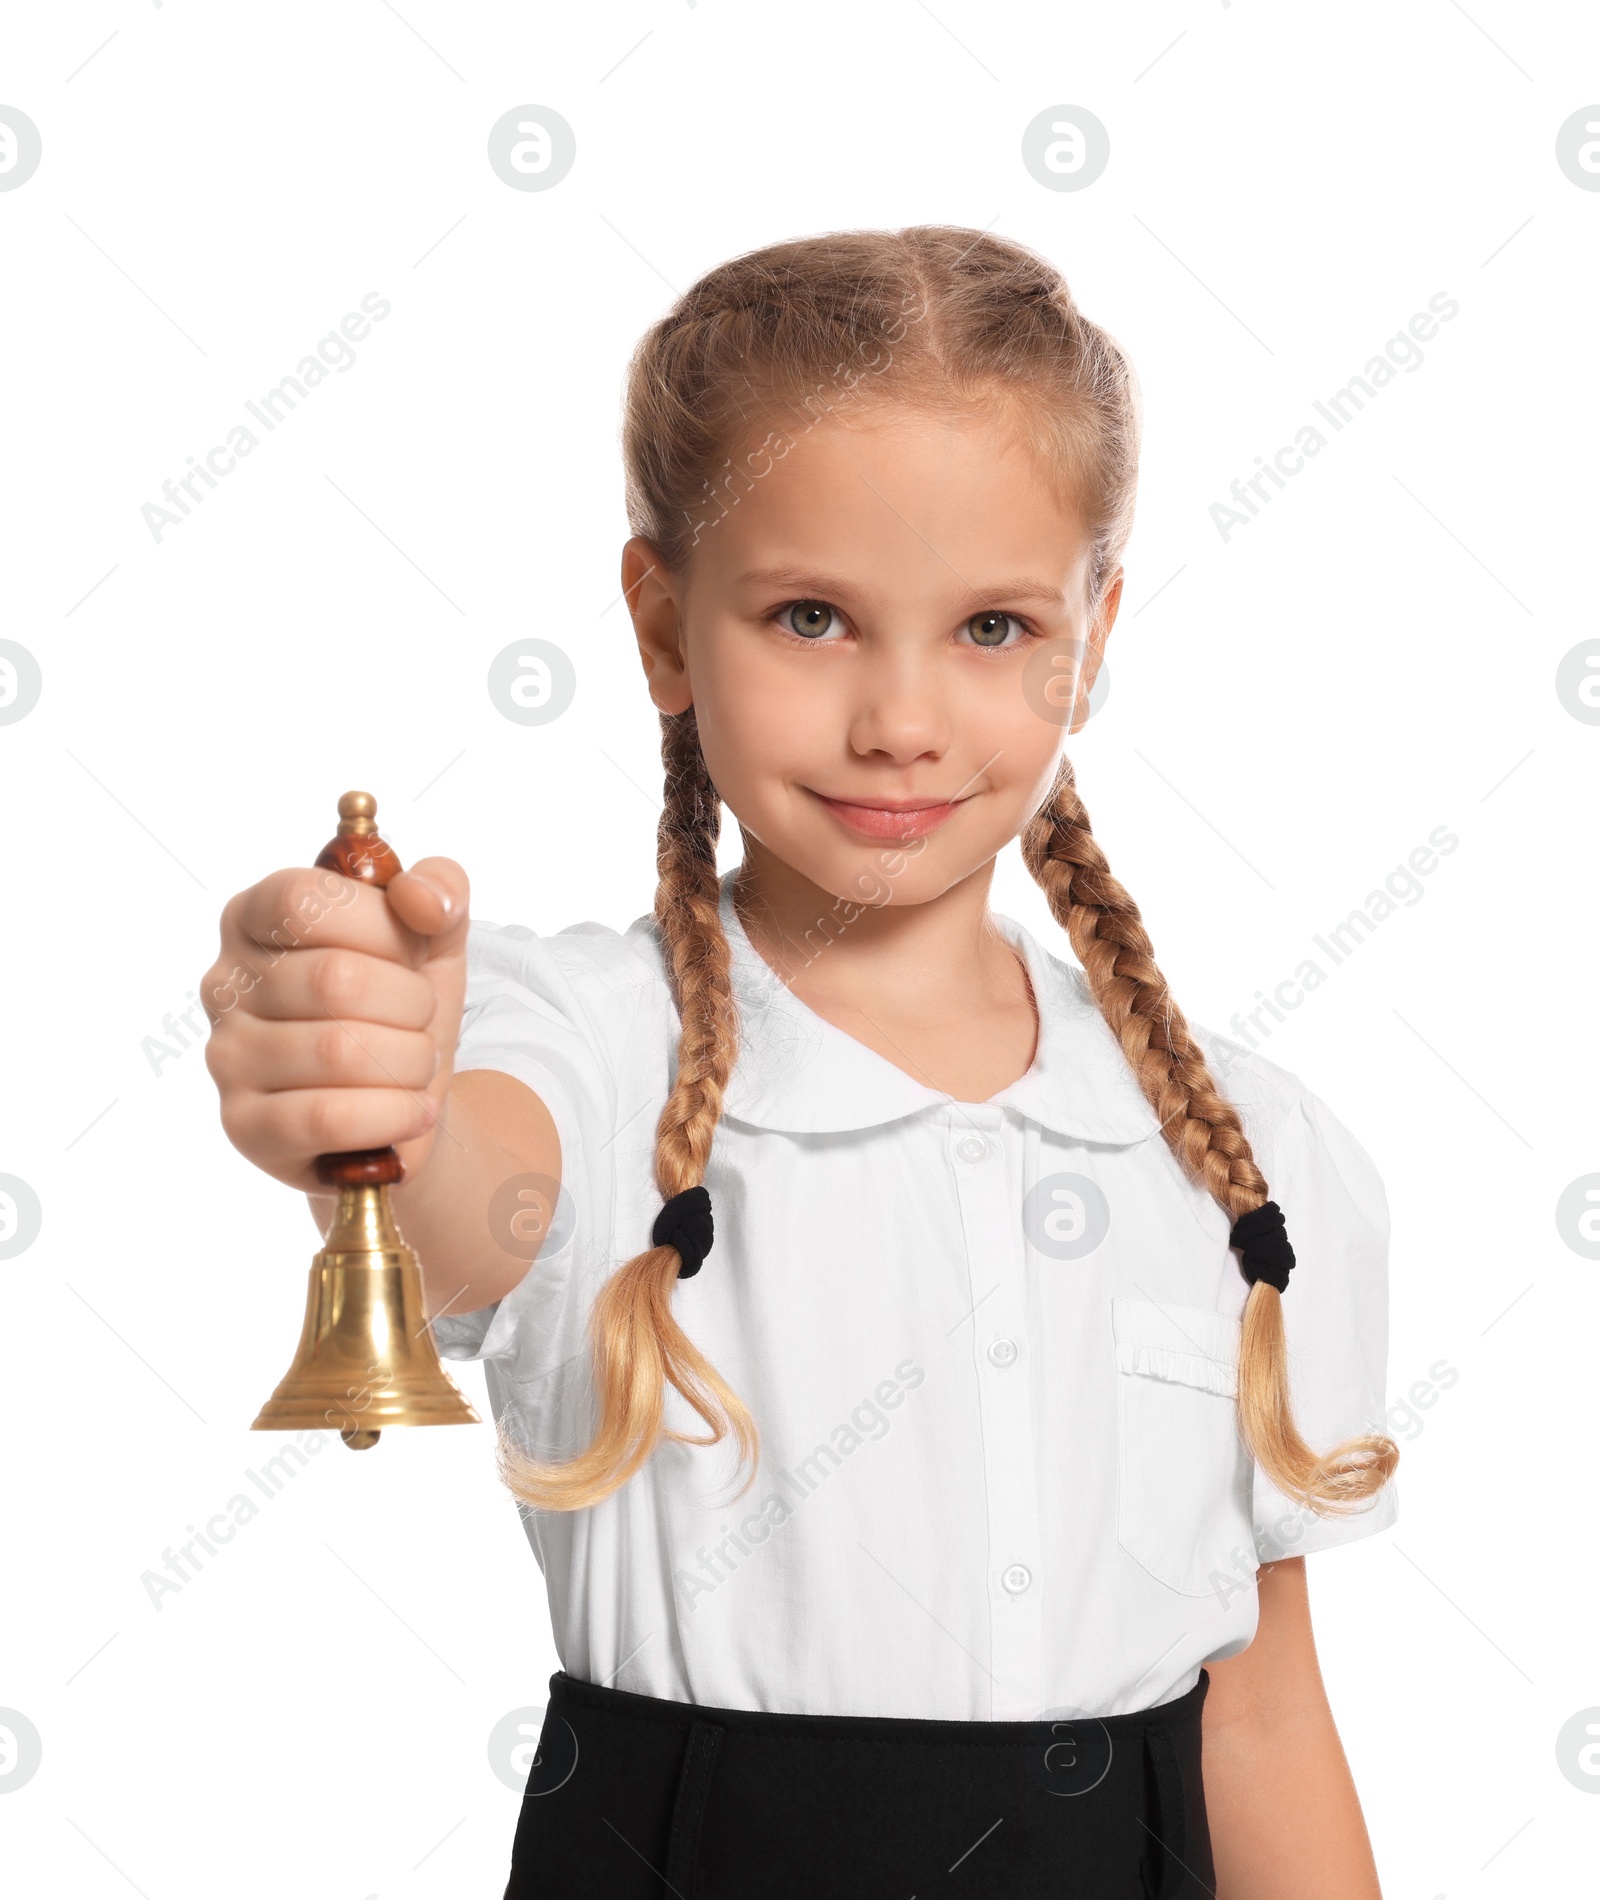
[{"x": 990, "y": 1348}]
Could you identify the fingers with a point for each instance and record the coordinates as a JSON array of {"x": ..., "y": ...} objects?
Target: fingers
[
  {"x": 347, "y": 1042},
  {"x": 432, "y": 898},
  {"x": 267, "y": 1057},
  {"x": 421, "y": 917},
  {"x": 320, "y": 986},
  {"x": 308, "y": 909},
  {"x": 279, "y": 1132}
]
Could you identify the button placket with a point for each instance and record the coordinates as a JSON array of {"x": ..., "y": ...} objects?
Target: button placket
[{"x": 996, "y": 1276}]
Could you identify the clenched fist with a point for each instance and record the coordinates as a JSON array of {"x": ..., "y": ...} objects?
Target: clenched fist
[{"x": 335, "y": 1008}]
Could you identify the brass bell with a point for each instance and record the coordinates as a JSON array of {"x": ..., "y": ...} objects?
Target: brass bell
[{"x": 366, "y": 1358}]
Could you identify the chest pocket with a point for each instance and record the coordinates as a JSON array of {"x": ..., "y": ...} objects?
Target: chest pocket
[{"x": 1184, "y": 1475}]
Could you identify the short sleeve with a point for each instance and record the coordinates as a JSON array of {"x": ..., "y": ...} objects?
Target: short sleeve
[
  {"x": 551, "y": 1011},
  {"x": 1336, "y": 1314}
]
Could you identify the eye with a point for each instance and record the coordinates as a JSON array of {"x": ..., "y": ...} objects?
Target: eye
[
  {"x": 990, "y": 629},
  {"x": 809, "y": 618}
]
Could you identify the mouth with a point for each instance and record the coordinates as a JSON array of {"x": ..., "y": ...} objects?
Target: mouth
[{"x": 900, "y": 820}]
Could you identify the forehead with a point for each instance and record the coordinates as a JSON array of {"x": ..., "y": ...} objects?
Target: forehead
[{"x": 892, "y": 495}]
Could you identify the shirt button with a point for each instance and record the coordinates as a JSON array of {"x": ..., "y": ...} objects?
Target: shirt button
[
  {"x": 1016, "y": 1578},
  {"x": 1003, "y": 1352},
  {"x": 972, "y": 1147}
]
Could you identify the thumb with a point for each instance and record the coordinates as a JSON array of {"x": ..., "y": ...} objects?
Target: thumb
[{"x": 432, "y": 898}]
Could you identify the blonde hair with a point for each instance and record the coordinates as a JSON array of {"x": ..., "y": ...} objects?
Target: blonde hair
[{"x": 937, "y": 317}]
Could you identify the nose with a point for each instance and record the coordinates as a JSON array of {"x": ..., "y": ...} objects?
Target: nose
[{"x": 900, "y": 707}]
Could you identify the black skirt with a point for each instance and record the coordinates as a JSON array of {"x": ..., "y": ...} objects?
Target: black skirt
[{"x": 633, "y": 1797}]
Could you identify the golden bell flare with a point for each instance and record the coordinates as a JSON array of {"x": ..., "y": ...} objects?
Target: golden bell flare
[{"x": 366, "y": 1358}]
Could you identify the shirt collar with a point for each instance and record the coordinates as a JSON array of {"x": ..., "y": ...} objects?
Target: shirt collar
[{"x": 799, "y": 1072}]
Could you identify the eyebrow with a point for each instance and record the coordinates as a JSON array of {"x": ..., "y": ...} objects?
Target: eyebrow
[{"x": 808, "y": 583}]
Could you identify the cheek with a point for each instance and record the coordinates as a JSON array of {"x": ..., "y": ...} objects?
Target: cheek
[
  {"x": 759, "y": 722},
  {"x": 1035, "y": 787},
  {"x": 1026, "y": 737}
]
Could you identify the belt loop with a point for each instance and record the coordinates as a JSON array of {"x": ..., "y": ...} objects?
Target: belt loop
[
  {"x": 1171, "y": 1832},
  {"x": 694, "y": 1784}
]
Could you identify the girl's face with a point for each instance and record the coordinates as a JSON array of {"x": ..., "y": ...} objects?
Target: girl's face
[{"x": 885, "y": 640}]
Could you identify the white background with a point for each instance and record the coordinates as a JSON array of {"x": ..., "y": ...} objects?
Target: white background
[{"x": 1292, "y": 711}]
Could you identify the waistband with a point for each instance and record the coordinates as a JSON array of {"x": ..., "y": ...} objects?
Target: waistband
[{"x": 574, "y": 1692}]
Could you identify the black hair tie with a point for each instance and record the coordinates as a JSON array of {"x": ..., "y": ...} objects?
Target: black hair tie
[
  {"x": 685, "y": 1223},
  {"x": 1263, "y": 1243}
]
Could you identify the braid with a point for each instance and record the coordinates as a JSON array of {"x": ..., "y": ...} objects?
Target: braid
[
  {"x": 1202, "y": 1129},
  {"x": 637, "y": 1344},
  {"x": 686, "y": 908}
]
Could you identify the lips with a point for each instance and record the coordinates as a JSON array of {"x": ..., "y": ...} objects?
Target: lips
[{"x": 900, "y": 823}]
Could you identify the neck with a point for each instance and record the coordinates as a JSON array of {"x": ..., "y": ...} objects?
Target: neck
[{"x": 940, "y": 952}]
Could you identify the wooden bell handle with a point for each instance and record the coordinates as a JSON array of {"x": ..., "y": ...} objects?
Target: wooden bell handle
[{"x": 357, "y": 851}]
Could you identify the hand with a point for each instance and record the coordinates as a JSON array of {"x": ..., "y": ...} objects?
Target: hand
[{"x": 335, "y": 1008}]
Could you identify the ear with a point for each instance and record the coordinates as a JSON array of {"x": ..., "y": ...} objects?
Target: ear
[
  {"x": 1099, "y": 634},
  {"x": 652, "y": 594}
]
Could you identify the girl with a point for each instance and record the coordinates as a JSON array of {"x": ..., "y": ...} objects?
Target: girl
[{"x": 889, "y": 1323}]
